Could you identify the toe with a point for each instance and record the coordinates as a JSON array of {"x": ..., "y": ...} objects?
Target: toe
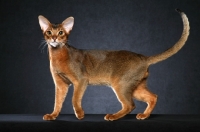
[
  {"x": 48, "y": 117},
  {"x": 107, "y": 117},
  {"x": 141, "y": 116}
]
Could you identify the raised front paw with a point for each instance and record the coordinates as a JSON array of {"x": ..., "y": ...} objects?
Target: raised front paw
[
  {"x": 141, "y": 116},
  {"x": 110, "y": 117},
  {"x": 79, "y": 114},
  {"x": 49, "y": 117}
]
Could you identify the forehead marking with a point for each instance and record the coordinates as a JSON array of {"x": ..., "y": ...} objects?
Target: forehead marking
[{"x": 55, "y": 26}]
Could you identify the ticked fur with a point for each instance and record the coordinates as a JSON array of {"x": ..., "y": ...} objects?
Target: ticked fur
[{"x": 124, "y": 71}]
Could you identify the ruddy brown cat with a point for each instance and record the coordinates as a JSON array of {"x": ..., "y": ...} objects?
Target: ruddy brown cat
[{"x": 124, "y": 71}]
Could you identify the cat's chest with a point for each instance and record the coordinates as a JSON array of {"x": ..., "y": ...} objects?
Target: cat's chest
[
  {"x": 59, "y": 65},
  {"x": 59, "y": 60}
]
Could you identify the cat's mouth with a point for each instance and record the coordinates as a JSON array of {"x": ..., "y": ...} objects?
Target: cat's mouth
[{"x": 54, "y": 44}]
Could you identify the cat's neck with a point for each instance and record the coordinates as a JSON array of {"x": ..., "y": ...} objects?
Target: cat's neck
[
  {"x": 58, "y": 53},
  {"x": 63, "y": 52}
]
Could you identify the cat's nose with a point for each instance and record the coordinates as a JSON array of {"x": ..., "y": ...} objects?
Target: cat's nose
[{"x": 54, "y": 38}]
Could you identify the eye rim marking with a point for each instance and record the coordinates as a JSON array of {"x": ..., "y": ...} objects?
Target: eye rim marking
[
  {"x": 60, "y": 33},
  {"x": 48, "y": 33}
]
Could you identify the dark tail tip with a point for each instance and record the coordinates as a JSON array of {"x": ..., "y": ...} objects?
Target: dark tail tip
[{"x": 178, "y": 10}]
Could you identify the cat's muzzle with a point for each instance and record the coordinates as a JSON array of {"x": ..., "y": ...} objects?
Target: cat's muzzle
[{"x": 54, "y": 44}]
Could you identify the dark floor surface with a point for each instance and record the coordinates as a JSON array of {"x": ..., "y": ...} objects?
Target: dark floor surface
[{"x": 96, "y": 123}]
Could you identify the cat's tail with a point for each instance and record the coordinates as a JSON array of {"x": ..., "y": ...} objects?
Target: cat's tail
[{"x": 178, "y": 45}]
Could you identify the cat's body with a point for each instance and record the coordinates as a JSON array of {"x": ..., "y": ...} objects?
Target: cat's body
[{"x": 124, "y": 71}]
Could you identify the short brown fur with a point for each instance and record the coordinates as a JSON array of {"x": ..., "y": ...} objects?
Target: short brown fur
[{"x": 124, "y": 71}]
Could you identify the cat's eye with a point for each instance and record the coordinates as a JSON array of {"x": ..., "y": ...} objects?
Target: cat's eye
[
  {"x": 60, "y": 33},
  {"x": 48, "y": 32}
]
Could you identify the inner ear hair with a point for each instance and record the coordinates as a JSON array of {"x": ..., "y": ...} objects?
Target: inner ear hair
[
  {"x": 44, "y": 23},
  {"x": 68, "y": 24}
]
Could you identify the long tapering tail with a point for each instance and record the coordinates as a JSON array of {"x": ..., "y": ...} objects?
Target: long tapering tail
[{"x": 178, "y": 45}]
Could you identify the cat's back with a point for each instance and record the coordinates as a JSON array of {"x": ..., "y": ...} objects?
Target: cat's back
[
  {"x": 120, "y": 56},
  {"x": 102, "y": 65},
  {"x": 99, "y": 62},
  {"x": 125, "y": 60}
]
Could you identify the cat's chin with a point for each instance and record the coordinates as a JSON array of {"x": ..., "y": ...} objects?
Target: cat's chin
[{"x": 54, "y": 44}]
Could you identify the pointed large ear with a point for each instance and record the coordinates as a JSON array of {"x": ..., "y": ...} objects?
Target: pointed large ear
[
  {"x": 68, "y": 24},
  {"x": 44, "y": 23}
]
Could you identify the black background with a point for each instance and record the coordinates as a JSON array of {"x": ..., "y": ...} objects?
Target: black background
[{"x": 142, "y": 26}]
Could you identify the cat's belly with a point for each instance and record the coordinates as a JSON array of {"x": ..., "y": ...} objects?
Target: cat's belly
[{"x": 99, "y": 81}]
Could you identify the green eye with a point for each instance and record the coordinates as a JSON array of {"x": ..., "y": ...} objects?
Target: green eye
[
  {"x": 48, "y": 32},
  {"x": 60, "y": 33}
]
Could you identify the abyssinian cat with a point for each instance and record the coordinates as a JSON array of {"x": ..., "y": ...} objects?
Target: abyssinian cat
[{"x": 124, "y": 71}]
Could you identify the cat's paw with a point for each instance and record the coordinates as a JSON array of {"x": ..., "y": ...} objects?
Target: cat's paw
[
  {"x": 141, "y": 116},
  {"x": 48, "y": 117},
  {"x": 110, "y": 117},
  {"x": 80, "y": 114}
]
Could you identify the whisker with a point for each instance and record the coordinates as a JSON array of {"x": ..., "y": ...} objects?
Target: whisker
[
  {"x": 68, "y": 42},
  {"x": 47, "y": 51},
  {"x": 40, "y": 45},
  {"x": 43, "y": 45}
]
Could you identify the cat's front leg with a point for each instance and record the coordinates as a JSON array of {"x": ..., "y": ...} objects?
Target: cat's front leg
[
  {"x": 79, "y": 89},
  {"x": 61, "y": 89}
]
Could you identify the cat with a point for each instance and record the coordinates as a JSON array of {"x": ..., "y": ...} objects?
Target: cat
[{"x": 124, "y": 71}]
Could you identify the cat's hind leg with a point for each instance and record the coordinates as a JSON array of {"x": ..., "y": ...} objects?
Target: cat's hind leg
[
  {"x": 141, "y": 93},
  {"x": 124, "y": 96}
]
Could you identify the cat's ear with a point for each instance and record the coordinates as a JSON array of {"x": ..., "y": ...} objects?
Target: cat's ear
[
  {"x": 44, "y": 23},
  {"x": 68, "y": 24}
]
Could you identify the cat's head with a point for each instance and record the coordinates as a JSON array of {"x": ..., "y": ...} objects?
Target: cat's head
[{"x": 56, "y": 34}]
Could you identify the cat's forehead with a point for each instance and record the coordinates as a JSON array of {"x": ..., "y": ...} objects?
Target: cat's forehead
[{"x": 56, "y": 27}]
